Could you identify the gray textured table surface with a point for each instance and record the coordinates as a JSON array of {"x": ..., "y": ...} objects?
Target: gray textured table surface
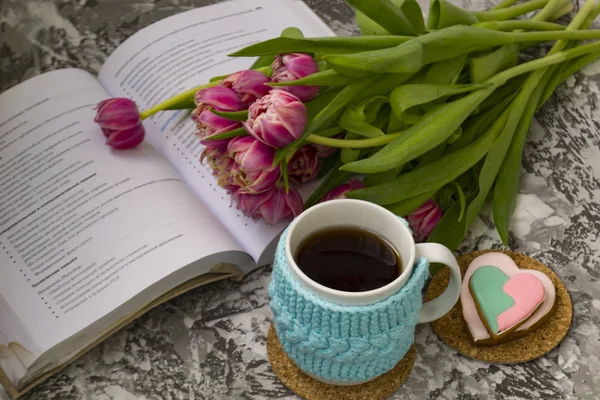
[{"x": 210, "y": 343}]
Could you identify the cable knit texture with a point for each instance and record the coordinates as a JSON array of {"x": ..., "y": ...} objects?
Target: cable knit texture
[{"x": 343, "y": 343}]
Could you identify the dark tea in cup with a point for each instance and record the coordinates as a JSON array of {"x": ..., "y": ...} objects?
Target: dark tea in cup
[{"x": 349, "y": 259}]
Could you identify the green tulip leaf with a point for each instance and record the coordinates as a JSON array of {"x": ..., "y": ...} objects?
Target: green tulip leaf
[
  {"x": 450, "y": 230},
  {"x": 321, "y": 45},
  {"x": 390, "y": 17},
  {"x": 356, "y": 120},
  {"x": 265, "y": 70},
  {"x": 433, "y": 175},
  {"x": 234, "y": 116},
  {"x": 367, "y": 26},
  {"x": 267, "y": 60},
  {"x": 326, "y": 165},
  {"x": 431, "y": 130},
  {"x": 406, "y": 96},
  {"x": 443, "y": 14},
  {"x": 405, "y": 207},
  {"x": 285, "y": 176},
  {"x": 461, "y": 200},
  {"x": 446, "y": 72},
  {"x": 485, "y": 66},
  {"x": 509, "y": 172},
  {"x": 321, "y": 78},
  {"x": 456, "y": 135},
  {"x": 229, "y": 134}
]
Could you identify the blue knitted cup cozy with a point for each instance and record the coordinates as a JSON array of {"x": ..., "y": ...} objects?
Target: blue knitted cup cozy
[{"x": 343, "y": 343}]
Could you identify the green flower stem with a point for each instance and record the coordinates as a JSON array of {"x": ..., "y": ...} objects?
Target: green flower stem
[
  {"x": 590, "y": 19},
  {"x": 563, "y": 75},
  {"x": 524, "y": 24},
  {"x": 352, "y": 144},
  {"x": 506, "y": 175},
  {"x": 580, "y": 18},
  {"x": 547, "y": 61},
  {"x": 504, "y": 4},
  {"x": 578, "y": 34},
  {"x": 565, "y": 10},
  {"x": 511, "y": 12},
  {"x": 174, "y": 100},
  {"x": 549, "y": 9}
]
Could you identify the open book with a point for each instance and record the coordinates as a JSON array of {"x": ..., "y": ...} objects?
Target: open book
[{"x": 92, "y": 238}]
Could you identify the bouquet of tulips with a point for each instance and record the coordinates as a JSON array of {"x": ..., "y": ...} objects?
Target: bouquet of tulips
[{"x": 426, "y": 119}]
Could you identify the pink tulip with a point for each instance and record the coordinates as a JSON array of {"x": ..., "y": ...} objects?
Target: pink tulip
[
  {"x": 248, "y": 84},
  {"x": 424, "y": 219},
  {"x": 221, "y": 165},
  {"x": 209, "y": 124},
  {"x": 217, "y": 98},
  {"x": 253, "y": 170},
  {"x": 304, "y": 165},
  {"x": 120, "y": 121},
  {"x": 340, "y": 191},
  {"x": 273, "y": 205},
  {"x": 276, "y": 119},
  {"x": 220, "y": 98},
  {"x": 294, "y": 66}
]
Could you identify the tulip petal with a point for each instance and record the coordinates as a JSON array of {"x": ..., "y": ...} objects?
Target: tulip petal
[
  {"x": 220, "y": 97},
  {"x": 258, "y": 157},
  {"x": 294, "y": 202},
  {"x": 248, "y": 84},
  {"x": 126, "y": 139},
  {"x": 117, "y": 114},
  {"x": 274, "y": 133},
  {"x": 274, "y": 209},
  {"x": 340, "y": 191},
  {"x": 277, "y": 119},
  {"x": 424, "y": 219},
  {"x": 304, "y": 165}
]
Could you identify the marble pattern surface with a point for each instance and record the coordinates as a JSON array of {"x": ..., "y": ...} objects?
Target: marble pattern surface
[{"x": 210, "y": 343}]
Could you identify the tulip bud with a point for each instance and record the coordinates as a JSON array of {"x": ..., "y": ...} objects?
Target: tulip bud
[
  {"x": 217, "y": 98},
  {"x": 209, "y": 124},
  {"x": 273, "y": 205},
  {"x": 304, "y": 165},
  {"x": 340, "y": 191},
  {"x": 253, "y": 170},
  {"x": 276, "y": 119},
  {"x": 424, "y": 219},
  {"x": 294, "y": 66},
  {"x": 248, "y": 84},
  {"x": 119, "y": 119},
  {"x": 221, "y": 165}
]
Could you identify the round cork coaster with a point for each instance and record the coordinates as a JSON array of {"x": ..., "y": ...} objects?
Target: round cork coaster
[
  {"x": 311, "y": 389},
  {"x": 452, "y": 328}
]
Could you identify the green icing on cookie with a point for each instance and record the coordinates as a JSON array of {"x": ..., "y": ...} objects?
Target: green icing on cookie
[{"x": 486, "y": 284}]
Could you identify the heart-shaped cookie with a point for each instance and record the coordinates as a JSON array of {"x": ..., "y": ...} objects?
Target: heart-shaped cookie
[{"x": 502, "y": 302}]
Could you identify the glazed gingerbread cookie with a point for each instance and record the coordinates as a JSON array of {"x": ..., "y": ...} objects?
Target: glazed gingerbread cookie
[{"x": 501, "y": 302}]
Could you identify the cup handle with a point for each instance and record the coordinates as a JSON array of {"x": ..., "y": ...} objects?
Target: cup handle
[{"x": 439, "y": 306}]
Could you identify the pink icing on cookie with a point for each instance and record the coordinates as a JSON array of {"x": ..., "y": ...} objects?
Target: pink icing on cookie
[
  {"x": 507, "y": 265},
  {"x": 528, "y": 293}
]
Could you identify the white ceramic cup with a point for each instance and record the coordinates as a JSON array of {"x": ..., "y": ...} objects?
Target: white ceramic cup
[{"x": 366, "y": 215}]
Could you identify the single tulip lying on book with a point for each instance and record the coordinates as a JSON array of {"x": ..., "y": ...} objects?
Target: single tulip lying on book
[
  {"x": 432, "y": 117},
  {"x": 121, "y": 123}
]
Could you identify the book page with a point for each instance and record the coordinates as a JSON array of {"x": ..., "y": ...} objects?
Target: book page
[
  {"x": 84, "y": 228},
  {"x": 184, "y": 51}
]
